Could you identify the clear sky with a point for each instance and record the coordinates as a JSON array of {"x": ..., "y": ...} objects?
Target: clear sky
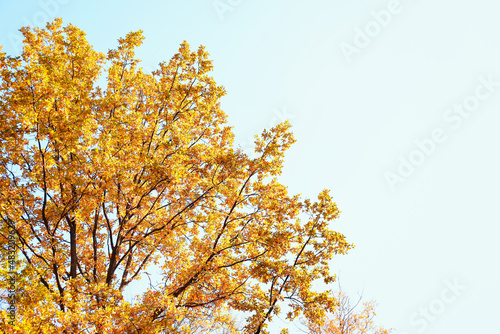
[{"x": 394, "y": 105}]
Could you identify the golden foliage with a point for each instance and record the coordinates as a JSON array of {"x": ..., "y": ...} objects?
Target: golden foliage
[{"x": 103, "y": 181}]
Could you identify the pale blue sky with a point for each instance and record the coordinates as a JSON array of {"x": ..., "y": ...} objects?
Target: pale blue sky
[{"x": 395, "y": 108}]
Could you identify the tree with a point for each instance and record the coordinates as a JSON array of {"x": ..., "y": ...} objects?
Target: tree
[
  {"x": 102, "y": 182},
  {"x": 346, "y": 319}
]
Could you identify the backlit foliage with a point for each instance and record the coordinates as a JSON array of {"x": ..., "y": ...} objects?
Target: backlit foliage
[
  {"x": 347, "y": 318},
  {"x": 104, "y": 180}
]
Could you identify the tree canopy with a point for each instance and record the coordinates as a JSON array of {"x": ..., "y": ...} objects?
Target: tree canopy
[{"x": 100, "y": 181}]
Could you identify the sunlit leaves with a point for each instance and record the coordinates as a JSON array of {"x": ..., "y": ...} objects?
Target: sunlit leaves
[{"x": 106, "y": 178}]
